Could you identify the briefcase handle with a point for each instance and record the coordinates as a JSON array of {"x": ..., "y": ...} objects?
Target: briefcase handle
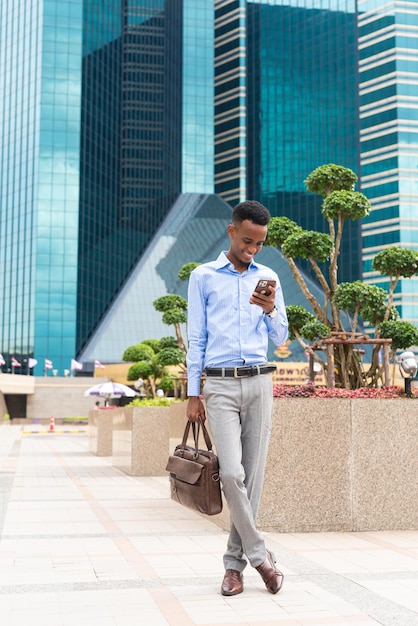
[{"x": 196, "y": 432}]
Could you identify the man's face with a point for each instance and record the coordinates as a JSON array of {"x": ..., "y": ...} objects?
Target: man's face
[{"x": 247, "y": 240}]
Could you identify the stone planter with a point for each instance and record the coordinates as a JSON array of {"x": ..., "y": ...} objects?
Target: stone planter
[
  {"x": 340, "y": 464},
  {"x": 141, "y": 440},
  {"x": 178, "y": 420},
  {"x": 101, "y": 426},
  {"x": 101, "y": 430},
  {"x": 334, "y": 464}
]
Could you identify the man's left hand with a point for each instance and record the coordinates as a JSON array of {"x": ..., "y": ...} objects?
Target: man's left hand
[{"x": 265, "y": 301}]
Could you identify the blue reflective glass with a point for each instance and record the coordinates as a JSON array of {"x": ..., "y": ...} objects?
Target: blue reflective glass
[
  {"x": 390, "y": 140},
  {"x": 380, "y": 241},
  {"x": 376, "y": 95},
  {"x": 380, "y": 166},
  {"x": 379, "y": 142},
  {"x": 376, "y": 25},
  {"x": 45, "y": 120},
  {"x": 301, "y": 108},
  {"x": 375, "y": 72},
  {"x": 377, "y": 48},
  {"x": 377, "y": 190}
]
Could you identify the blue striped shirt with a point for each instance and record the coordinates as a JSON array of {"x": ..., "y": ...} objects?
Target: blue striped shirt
[{"x": 224, "y": 329}]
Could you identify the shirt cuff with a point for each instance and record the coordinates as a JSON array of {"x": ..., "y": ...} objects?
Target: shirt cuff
[{"x": 193, "y": 388}]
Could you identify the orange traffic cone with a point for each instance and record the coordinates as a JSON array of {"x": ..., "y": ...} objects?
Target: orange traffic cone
[{"x": 52, "y": 424}]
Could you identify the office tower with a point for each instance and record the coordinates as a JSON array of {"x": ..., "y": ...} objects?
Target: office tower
[
  {"x": 388, "y": 61},
  {"x": 40, "y": 65},
  {"x": 107, "y": 116},
  {"x": 130, "y": 162},
  {"x": 286, "y": 103}
]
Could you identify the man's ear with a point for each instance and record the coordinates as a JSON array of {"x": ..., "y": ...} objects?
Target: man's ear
[{"x": 230, "y": 229}]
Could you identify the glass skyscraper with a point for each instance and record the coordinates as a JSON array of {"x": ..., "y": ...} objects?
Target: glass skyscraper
[
  {"x": 107, "y": 116},
  {"x": 40, "y": 104},
  {"x": 130, "y": 163},
  {"x": 286, "y": 103},
  {"x": 388, "y": 60}
]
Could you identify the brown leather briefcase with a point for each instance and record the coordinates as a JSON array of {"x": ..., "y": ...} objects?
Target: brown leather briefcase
[{"x": 194, "y": 473}]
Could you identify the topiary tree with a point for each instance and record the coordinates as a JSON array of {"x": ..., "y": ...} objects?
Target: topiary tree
[
  {"x": 167, "y": 342},
  {"x": 166, "y": 384},
  {"x": 152, "y": 365},
  {"x": 173, "y": 308},
  {"x": 155, "y": 344},
  {"x": 358, "y": 300},
  {"x": 138, "y": 352},
  {"x": 403, "y": 334},
  {"x": 304, "y": 324},
  {"x": 396, "y": 263},
  {"x": 327, "y": 178},
  {"x": 186, "y": 270},
  {"x": 152, "y": 357},
  {"x": 142, "y": 369},
  {"x": 171, "y": 356}
]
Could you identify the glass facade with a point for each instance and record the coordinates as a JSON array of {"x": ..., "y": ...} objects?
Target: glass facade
[
  {"x": 231, "y": 100},
  {"x": 40, "y": 51},
  {"x": 108, "y": 112},
  {"x": 286, "y": 103},
  {"x": 198, "y": 92},
  {"x": 117, "y": 113},
  {"x": 131, "y": 137},
  {"x": 388, "y": 61}
]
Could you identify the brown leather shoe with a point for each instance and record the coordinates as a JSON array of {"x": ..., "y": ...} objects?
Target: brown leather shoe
[
  {"x": 270, "y": 574},
  {"x": 233, "y": 583}
]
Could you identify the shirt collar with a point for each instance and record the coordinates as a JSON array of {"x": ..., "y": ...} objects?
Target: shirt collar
[{"x": 223, "y": 261}]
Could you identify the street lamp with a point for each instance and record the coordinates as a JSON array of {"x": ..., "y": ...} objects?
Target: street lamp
[{"x": 408, "y": 367}]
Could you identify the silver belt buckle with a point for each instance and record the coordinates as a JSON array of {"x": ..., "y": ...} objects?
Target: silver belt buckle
[{"x": 236, "y": 375}]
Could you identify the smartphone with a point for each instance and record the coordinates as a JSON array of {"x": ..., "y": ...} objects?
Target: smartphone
[{"x": 263, "y": 286}]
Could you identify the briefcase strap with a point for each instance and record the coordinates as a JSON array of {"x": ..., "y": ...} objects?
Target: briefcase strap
[{"x": 196, "y": 427}]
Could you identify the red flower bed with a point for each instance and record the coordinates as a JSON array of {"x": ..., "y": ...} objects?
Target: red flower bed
[{"x": 311, "y": 391}]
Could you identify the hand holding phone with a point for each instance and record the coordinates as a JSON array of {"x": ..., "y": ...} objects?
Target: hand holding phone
[{"x": 263, "y": 286}]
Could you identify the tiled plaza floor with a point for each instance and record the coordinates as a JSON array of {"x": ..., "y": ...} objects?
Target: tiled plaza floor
[{"x": 83, "y": 544}]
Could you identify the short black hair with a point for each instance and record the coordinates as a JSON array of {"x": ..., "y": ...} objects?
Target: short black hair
[{"x": 251, "y": 210}]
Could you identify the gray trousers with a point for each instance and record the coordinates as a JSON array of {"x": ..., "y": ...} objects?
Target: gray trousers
[{"x": 239, "y": 417}]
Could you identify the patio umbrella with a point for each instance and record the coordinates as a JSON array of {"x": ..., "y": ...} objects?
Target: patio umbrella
[{"x": 110, "y": 390}]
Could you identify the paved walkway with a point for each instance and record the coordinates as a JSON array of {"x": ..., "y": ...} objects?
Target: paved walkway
[{"x": 83, "y": 544}]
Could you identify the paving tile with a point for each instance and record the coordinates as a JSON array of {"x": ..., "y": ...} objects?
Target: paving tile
[{"x": 84, "y": 544}]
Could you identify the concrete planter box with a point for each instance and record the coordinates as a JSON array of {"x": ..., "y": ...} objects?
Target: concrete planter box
[
  {"x": 101, "y": 430},
  {"x": 101, "y": 425},
  {"x": 140, "y": 440},
  {"x": 334, "y": 464},
  {"x": 341, "y": 464},
  {"x": 178, "y": 420}
]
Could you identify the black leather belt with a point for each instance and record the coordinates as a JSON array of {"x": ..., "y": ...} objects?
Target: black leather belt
[{"x": 240, "y": 372}]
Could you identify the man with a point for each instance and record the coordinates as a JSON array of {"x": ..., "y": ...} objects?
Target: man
[{"x": 229, "y": 324}]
